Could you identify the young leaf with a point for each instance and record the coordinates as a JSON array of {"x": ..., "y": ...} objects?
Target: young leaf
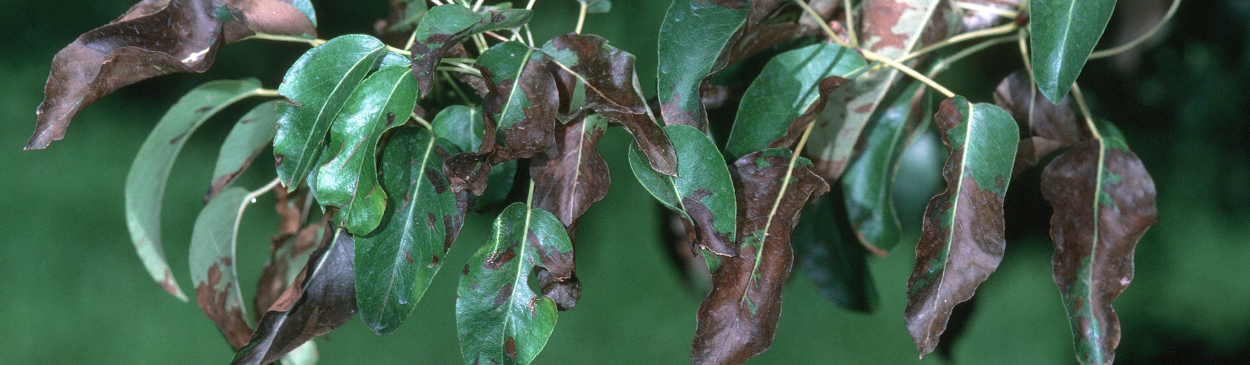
[
  {"x": 1104, "y": 201},
  {"x": 1062, "y": 35},
  {"x": 445, "y": 26},
  {"x": 789, "y": 91},
  {"x": 692, "y": 39},
  {"x": 571, "y": 176},
  {"x": 247, "y": 139},
  {"x": 832, "y": 258},
  {"x": 464, "y": 127},
  {"x": 961, "y": 240},
  {"x": 319, "y": 84},
  {"x": 702, "y": 192},
  {"x": 500, "y": 320},
  {"x": 212, "y": 265},
  {"x": 145, "y": 184},
  {"x": 394, "y": 264},
  {"x": 349, "y": 179},
  {"x": 739, "y": 318},
  {"x": 522, "y": 101}
]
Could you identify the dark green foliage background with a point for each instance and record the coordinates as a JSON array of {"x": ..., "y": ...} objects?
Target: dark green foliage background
[{"x": 73, "y": 291}]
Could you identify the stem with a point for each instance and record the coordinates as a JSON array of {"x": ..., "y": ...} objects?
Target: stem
[
  {"x": 529, "y": 198},
  {"x": 850, "y": 24},
  {"x": 456, "y": 67},
  {"x": 421, "y": 121},
  {"x": 497, "y": 36},
  {"x": 527, "y": 31},
  {"x": 477, "y": 5},
  {"x": 287, "y": 38},
  {"x": 945, "y": 63},
  {"x": 437, "y": 2},
  {"x": 821, "y": 21},
  {"x": 411, "y": 39},
  {"x": 403, "y": 52},
  {"x": 266, "y": 93},
  {"x": 1080, "y": 102},
  {"x": 1125, "y": 47},
  {"x": 989, "y": 9},
  {"x": 530, "y": 6},
  {"x": 456, "y": 88},
  {"x": 988, "y": 32},
  {"x": 1023, "y": 36},
  {"x": 869, "y": 55},
  {"x": 581, "y": 18}
]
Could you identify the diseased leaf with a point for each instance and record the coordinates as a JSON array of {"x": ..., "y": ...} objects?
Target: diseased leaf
[
  {"x": 694, "y": 35},
  {"x": 153, "y": 38},
  {"x": 521, "y": 103},
  {"x": 145, "y": 184},
  {"x": 445, "y": 26},
  {"x": 499, "y": 318},
  {"x": 212, "y": 265},
  {"x": 246, "y": 140},
  {"x": 306, "y": 7},
  {"x": 404, "y": 17},
  {"x": 571, "y": 176},
  {"x": 319, "y": 84},
  {"x": 325, "y": 300},
  {"x": 289, "y": 251},
  {"x": 1104, "y": 201},
  {"x": 464, "y": 127},
  {"x": 739, "y": 318},
  {"x": 1062, "y": 35},
  {"x": 395, "y": 263},
  {"x": 702, "y": 192},
  {"x": 789, "y": 92},
  {"x": 597, "y": 6},
  {"x": 832, "y": 258},
  {"x": 611, "y": 88},
  {"x": 1044, "y": 126},
  {"x": 961, "y": 240}
]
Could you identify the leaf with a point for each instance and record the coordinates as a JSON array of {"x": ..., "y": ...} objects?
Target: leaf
[
  {"x": 1104, "y": 201},
  {"x": 961, "y": 240},
  {"x": 325, "y": 301},
  {"x": 145, "y": 184},
  {"x": 445, "y": 26},
  {"x": 691, "y": 40},
  {"x": 289, "y": 254},
  {"x": 597, "y": 6},
  {"x": 571, "y": 176},
  {"x": 789, "y": 91},
  {"x": 349, "y": 180},
  {"x": 1047, "y": 127},
  {"x": 404, "y": 16},
  {"x": 500, "y": 320},
  {"x": 832, "y": 258},
  {"x": 151, "y": 39},
  {"x": 739, "y": 318},
  {"x": 522, "y": 101},
  {"x": 306, "y": 7},
  {"x": 612, "y": 89},
  {"x": 246, "y": 140},
  {"x": 319, "y": 84},
  {"x": 1062, "y": 35},
  {"x": 394, "y": 264},
  {"x": 702, "y": 192},
  {"x": 212, "y": 264},
  {"x": 305, "y": 354},
  {"x": 464, "y": 127}
]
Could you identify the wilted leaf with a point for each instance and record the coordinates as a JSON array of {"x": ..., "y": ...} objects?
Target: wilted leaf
[
  {"x": 145, "y": 184},
  {"x": 445, "y": 26},
  {"x": 395, "y": 263},
  {"x": 789, "y": 92},
  {"x": 325, "y": 301},
  {"x": 1104, "y": 201},
  {"x": 151, "y": 39},
  {"x": 832, "y": 258},
  {"x": 522, "y": 101},
  {"x": 319, "y": 84},
  {"x": 1062, "y": 35},
  {"x": 693, "y": 37},
  {"x": 464, "y": 127},
  {"x": 499, "y": 318},
  {"x": 247, "y": 139},
  {"x": 702, "y": 192},
  {"x": 289, "y": 254},
  {"x": 212, "y": 265},
  {"x": 571, "y": 176},
  {"x": 597, "y": 6},
  {"x": 961, "y": 240},
  {"x": 739, "y": 318},
  {"x": 1044, "y": 126}
]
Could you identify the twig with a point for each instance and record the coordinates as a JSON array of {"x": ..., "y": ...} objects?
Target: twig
[
  {"x": 850, "y": 23},
  {"x": 821, "y": 21},
  {"x": 1080, "y": 102},
  {"x": 989, "y": 32},
  {"x": 869, "y": 55},
  {"x": 287, "y": 38},
  {"x": 581, "y": 19},
  {"x": 1120, "y": 49}
]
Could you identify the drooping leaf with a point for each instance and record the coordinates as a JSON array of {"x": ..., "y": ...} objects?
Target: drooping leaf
[
  {"x": 349, "y": 180},
  {"x": 289, "y": 250},
  {"x": 145, "y": 184},
  {"x": 325, "y": 300},
  {"x": 445, "y": 26},
  {"x": 607, "y": 78},
  {"x": 691, "y": 41},
  {"x": 597, "y": 6},
  {"x": 319, "y": 83},
  {"x": 1062, "y": 35},
  {"x": 961, "y": 240},
  {"x": 246, "y": 140},
  {"x": 789, "y": 91},
  {"x": 1104, "y": 201},
  {"x": 465, "y": 128},
  {"x": 832, "y": 258},
  {"x": 522, "y": 101},
  {"x": 499, "y": 318},
  {"x": 702, "y": 192},
  {"x": 153, "y": 38},
  {"x": 1044, "y": 126},
  {"x": 212, "y": 265},
  {"x": 395, "y": 263},
  {"x": 739, "y": 318},
  {"x": 571, "y": 176}
]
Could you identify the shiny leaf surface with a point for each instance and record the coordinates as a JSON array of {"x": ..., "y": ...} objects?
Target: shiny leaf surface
[
  {"x": 246, "y": 140},
  {"x": 212, "y": 265},
  {"x": 521, "y": 103},
  {"x": 691, "y": 40},
  {"x": 445, "y": 26},
  {"x": 702, "y": 192},
  {"x": 1062, "y": 35}
]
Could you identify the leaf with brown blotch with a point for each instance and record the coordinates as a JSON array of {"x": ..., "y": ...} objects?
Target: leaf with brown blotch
[
  {"x": 606, "y": 78},
  {"x": 288, "y": 255},
  {"x": 325, "y": 301},
  {"x": 445, "y": 26},
  {"x": 1044, "y": 126},
  {"x": 739, "y": 318},
  {"x": 522, "y": 101},
  {"x": 212, "y": 265},
  {"x": 246, "y": 140},
  {"x": 1104, "y": 201},
  {"x": 151, "y": 39},
  {"x": 571, "y": 176},
  {"x": 961, "y": 239}
]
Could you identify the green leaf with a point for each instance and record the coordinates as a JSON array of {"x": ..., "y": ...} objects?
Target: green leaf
[
  {"x": 702, "y": 191},
  {"x": 305, "y": 354},
  {"x": 212, "y": 265},
  {"x": 145, "y": 184},
  {"x": 522, "y": 102},
  {"x": 692, "y": 38},
  {"x": 499, "y": 318},
  {"x": 597, "y": 6},
  {"x": 465, "y": 128},
  {"x": 246, "y": 140},
  {"x": 789, "y": 91},
  {"x": 319, "y": 84},
  {"x": 832, "y": 258},
  {"x": 394, "y": 264},
  {"x": 445, "y": 26},
  {"x": 1104, "y": 202},
  {"x": 349, "y": 179},
  {"x": 1062, "y": 35},
  {"x": 961, "y": 240}
]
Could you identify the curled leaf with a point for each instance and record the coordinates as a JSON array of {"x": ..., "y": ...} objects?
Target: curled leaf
[
  {"x": 445, "y": 26},
  {"x": 1045, "y": 126},
  {"x": 571, "y": 176},
  {"x": 702, "y": 192},
  {"x": 289, "y": 253},
  {"x": 691, "y": 41},
  {"x": 464, "y": 127},
  {"x": 521, "y": 103},
  {"x": 212, "y": 265}
]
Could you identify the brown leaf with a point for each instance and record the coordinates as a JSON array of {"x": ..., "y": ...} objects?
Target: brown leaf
[
  {"x": 534, "y": 133},
  {"x": 1054, "y": 122},
  {"x": 977, "y": 19},
  {"x": 287, "y": 256},
  {"x": 739, "y": 318},
  {"x": 571, "y": 176}
]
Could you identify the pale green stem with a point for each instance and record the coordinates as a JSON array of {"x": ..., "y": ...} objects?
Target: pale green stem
[
  {"x": 421, "y": 121},
  {"x": 821, "y": 21},
  {"x": 850, "y": 23},
  {"x": 266, "y": 93},
  {"x": 989, "y": 9},
  {"x": 287, "y": 38},
  {"x": 988, "y": 32},
  {"x": 945, "y": 63},
  {"x": 1080, "y": 102},
  {"x": 581, "y": 19},
  {"x": 869, "y": 55},
  {"x": 1125, "y": 47}
]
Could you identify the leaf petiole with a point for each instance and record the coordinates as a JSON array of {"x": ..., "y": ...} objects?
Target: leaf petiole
[
  {"x": 421, "y": 121},
  {"x": 581, "y": 19},
  {"x": 1089, "y": 119},
  {"x": 1125, "y": 47},
  {"x": 823, "y": 25},
  {"x": 1009, "y": 14},
  {"x": 871, "y": 56},
  {"x": 850, "y": 23},
  {"x": 287, "y": 38},
  {"x": 989, "y": 32}
]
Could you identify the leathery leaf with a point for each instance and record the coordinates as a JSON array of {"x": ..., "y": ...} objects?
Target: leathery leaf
[
  {"x": 702, "y": 192},
  {"x": 692, "y": 38},
  {"x": 212, "y": 265},
  {"x": 1062, "y": 35},
  {"x": 445, "y": 26},
  {"x": 246, "y": 140},
  {"x": 522, "y": 101}
]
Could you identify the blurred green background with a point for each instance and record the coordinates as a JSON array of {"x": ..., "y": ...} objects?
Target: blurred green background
[{"x": 72, "y": 291}]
